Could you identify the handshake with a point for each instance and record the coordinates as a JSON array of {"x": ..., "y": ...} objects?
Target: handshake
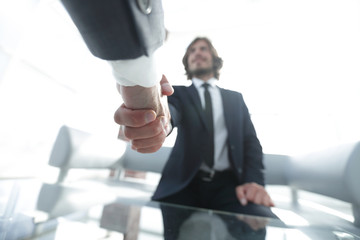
[{"x": 144, "y": 117}]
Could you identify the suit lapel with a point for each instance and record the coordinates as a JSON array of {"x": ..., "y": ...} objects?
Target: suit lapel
[
  {"x": 195, "y": 98},
  {"x": 227, "y": 103}
]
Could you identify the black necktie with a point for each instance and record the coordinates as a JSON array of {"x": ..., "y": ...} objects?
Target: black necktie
[{"x": 209, "y": 154}]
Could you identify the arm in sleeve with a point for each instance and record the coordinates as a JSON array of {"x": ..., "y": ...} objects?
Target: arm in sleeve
[
  {"x": 120, "y": 32},
  {"x": 253, "y": 155},
  {"x": 142, "y": 71},
  {"x": 175, "y": 107}
]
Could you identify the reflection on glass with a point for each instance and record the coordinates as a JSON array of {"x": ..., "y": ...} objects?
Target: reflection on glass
[{"x": 189, "y": 223}]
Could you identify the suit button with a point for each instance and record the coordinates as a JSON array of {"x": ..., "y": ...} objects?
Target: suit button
[
  {"x": 239, "y": 170},
  {"x": 144, "y": 6},
  {"x": 232, "y": 147}
]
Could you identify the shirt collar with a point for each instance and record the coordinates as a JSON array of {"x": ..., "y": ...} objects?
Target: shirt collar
[{"x": 198, "y": 82}]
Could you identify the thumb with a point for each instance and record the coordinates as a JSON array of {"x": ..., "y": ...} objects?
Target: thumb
[
  {"x": 166, "y": 88},
  {"x": 240, "y": 193}
]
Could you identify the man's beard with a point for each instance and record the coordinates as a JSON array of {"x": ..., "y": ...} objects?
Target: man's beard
[{"x": 201, "y": 72}]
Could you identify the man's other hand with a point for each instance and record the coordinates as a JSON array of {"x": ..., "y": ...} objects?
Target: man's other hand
[{"x": 253, "y": 192}]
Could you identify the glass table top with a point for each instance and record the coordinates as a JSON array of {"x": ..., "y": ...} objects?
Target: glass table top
[{"x": 31, "y": 209}]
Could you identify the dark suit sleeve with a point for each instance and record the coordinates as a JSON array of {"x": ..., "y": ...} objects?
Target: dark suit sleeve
[
  {"x": 175, "y": 107},
  {"x": 117, "y": 29},
  {"x": 253, "y": 155}
]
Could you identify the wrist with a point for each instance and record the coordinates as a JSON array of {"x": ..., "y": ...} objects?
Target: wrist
[{"x": 138, "y": 97}]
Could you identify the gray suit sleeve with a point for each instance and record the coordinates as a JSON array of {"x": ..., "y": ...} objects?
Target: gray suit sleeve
[{"x": 118, "y": 29}]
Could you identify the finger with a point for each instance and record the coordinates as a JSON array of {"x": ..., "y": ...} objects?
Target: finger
[
  {"x": 148, "y": 131},
  {"x": 149, "y": 150},
  {"x": 271, "y": 204},
  {"x": 250, "y": 192},
  {"x": 133, "y": 118},
  {"x": 166, "y": 88},
  {"x": 165, "y": 121},
  {"x": 168, "y": 129},
  {"x": 121, "y": 134},
  {"x": 260, "y": 198},
  {"x": 149, "y": 142},
  {"x": 240, "y": 193},
  {"x": 268, "y": 201}
]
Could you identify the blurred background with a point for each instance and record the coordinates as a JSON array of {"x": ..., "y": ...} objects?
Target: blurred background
[{"x": 297, "y": 63}]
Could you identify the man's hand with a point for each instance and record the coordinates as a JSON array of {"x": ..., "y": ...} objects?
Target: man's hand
[
  {"x": 154, "y": 98},
  {"x": 146, "y": 127},
  {"x": 253, "y": 192}
]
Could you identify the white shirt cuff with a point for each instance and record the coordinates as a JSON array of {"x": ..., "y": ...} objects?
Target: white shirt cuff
[{"x": 141, "y": 71}]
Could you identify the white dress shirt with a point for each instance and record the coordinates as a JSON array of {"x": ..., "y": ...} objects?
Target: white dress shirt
[
  {"x": 142, "y": 71},
  {"x": 221, "y": 158}
]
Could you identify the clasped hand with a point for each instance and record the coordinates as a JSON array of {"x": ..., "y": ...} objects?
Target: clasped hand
[{"x": 144, "y": 117}]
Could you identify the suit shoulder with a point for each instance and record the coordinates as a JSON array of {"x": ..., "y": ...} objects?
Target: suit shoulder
[
  {"x": 179, "y": 91},
  {"x": 179, "y": 87},
  {"x": 231, "y": 92}
]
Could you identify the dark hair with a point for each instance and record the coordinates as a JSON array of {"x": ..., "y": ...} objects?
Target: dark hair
[{"x": 217, "y": 61}]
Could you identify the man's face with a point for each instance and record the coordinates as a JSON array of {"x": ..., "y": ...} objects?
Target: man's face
[{"x": 200, "y": 60}]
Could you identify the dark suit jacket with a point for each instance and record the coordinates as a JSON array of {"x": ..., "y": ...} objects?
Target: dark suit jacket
[
  {"x": 118, "y": 29},
  {"x": 245, "y": 151}
]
